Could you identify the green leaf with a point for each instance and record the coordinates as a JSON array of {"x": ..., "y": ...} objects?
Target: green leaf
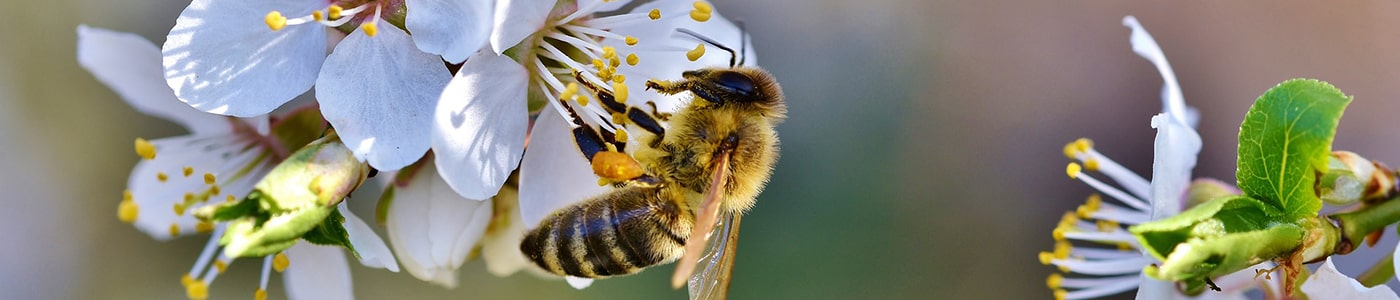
[
  {"x": 1285, "y": 138},
  {"x": 1232, "y": 214},
  {"x": 331, "y": 232}
]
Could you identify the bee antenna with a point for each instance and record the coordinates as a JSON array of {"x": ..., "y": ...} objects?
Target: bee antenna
[
  {"x": 707, "y": 40},
  {"x": 743, "y": 43}
]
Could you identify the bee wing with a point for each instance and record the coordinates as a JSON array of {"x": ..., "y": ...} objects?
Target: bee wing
[
  {"x": 704, "y": 221},
  {"x": 712, "y": 282}
]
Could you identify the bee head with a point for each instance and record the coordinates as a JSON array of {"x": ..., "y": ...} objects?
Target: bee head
[{"x": 719, "y": 85}]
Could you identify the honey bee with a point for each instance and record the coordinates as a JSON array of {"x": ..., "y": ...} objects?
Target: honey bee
[{"x": 702, "y": 171}]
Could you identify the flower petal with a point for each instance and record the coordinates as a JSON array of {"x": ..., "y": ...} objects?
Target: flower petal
[
  {"x": 158, "y": 185},
  {"x": 373, "y": 252},
  {"x": 1145, "y": 46},
  {"x": 479, "y": 129},
  {"x": 317, "y": 272},
  {"x": 378, "y": 92},
  {"x": 1328, "y": 283},
  {"x": 553, "y": 174},
  {"x": 222, "y": 58},
  {"x": 130, "y": 65},
  {"x": 1173, "y": 156},
  {"x": 516, "y": 19},
  {"x": 432, "y": 229},
  {"x": 452, "y": 28},
  {"x": 500, "y": 248}
]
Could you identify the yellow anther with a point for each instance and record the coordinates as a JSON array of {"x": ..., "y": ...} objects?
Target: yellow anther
[
  {"x": 334, "y": 11},
  {"x": 1058, "y": 233},
  {"x": 695, "y": 54},
  {"x": 318, "y": 15},
  {"x": 1084, "y": 144},
  {"x": 1061, "y": 294},
  {"x": 179, "y": 209},
  {"x": 621, "y": 135},
  {"x": 208, "y": 178},
  {"x": 654, "y": 14},
  {"x": 1054, "y": 281},
  {"x": 620, "y": 92},
  {"x": 188, "y": 171},
  {"x": 260, "y": 294},
  {"x": 597, "y": 64},
  {"x": 213, "y": 190},
  {"x": 1125, "y": 246},
  {"x": 186, "y": 280},
  {"x": 231, "y": 199},
  {"x": 632, "y": 59},
  {"x": 614, "y": 62},
  {"x": 702, "y": 6},
  {"x": 174, "y": 229},
  {"x": 609, "y": 52},
  {"x": 204, "y": 227},
  {"x": 127, "y": 211},
  {"x": 160, "y": 176},
  {"x": 1089, "y": 207},
  {"x": 1068, "y": 219},
  {"x": 145, "y": 149},
  {"x": 619, "y": 78},
  {"x": 221, "y": 266},
  {"x": 1046, "y": 258},
  {"x": 1107, "y": 226},
  {"x": 370, "y": 29},
  {"x": 699, "y": 16},
  {"x": 280, "y": 262},
  {"x": 197, "y": 290},
  {"x": 604, "y": 182},
  {"x": 1071, "y": 151},
  {"x": 619, "y": 118},
  {"x": 631, "y": 41},
  {"x": 275, "y": 20},
  {"x": 1091, "y": 164},
  {"x": 1073, "y": 170},
  {"x": 581, "y": 99}
]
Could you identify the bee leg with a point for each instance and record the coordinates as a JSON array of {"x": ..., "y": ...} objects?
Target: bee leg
[{"x": 607, "y": 98}]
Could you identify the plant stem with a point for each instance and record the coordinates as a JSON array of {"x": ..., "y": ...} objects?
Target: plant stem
[
  {"x": 1379, "y": 273},
  {"x": 1356, "y": 225}
]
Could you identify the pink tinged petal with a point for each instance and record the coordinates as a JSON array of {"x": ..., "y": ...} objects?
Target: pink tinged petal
[
  {"x": 223, "y": 156},
  {"x": 373, "y": 252},
  {"x": 479, "y": 129},
  {"x": 130, "y": 65},
  {"x": 554, "y": 174},
  {"x": 1173, "y": 156},
  {"x": 1145, "y": 46},
  {"x": 379, "y": 92},
  {"x": 432, "y": 229},
  {"x": 317, "y": 272},
  {"x": 1328, "y": 283},
  {"x": 222, "y": 58},
  {"x": 452, "y": 28},
  {"x": 517, "y": 19}
]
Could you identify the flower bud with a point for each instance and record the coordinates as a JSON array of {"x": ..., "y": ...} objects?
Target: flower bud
[{"x": 1350, "y": 178}]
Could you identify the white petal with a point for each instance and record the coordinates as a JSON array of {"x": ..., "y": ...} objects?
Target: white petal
[
  {"x": 379, "y": 92},
  {"x": 578, "y": 282},
  {"x": 317, "y": 272},
  {"x": 605, "y": 6},
  {"x": 452, "y": 28},
  {"x": 130, "y": 65},
  {"x": 1173, "y": 156},
  {"x": 1145, "y": 46},
  {"x": 500, "y": 248},
  {"x": 516, "y": 19},
  {"x": 1328, "y": 283},
  {"x": 432, "y": 229},
  {"x": 554, "y": 174},
  {"x": 373, "y": 252},
  {"x": 224, "y": 156},
  {"x": 479, "y": 129},
  {"x": 222, "y": 58}
]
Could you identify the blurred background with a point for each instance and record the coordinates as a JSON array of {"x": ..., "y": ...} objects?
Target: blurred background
[{"x": 922, "y": 158}]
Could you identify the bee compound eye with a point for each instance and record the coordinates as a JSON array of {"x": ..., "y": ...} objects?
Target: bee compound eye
[{"x": 736, "y": 82}]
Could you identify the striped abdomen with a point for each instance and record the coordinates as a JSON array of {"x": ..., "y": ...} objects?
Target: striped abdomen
[{"x": 617, "y": 233}]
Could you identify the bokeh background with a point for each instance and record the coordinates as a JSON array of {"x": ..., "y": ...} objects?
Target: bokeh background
[{"x": 921, "y": 160}]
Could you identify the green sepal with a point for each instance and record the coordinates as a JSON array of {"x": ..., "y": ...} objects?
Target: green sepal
[
  {"x": 1284, "y": 140},
  {"x": 331, "y": 232},
  {"x": 1215, "y": 238},
  {"x": 255, "y": 236}
]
